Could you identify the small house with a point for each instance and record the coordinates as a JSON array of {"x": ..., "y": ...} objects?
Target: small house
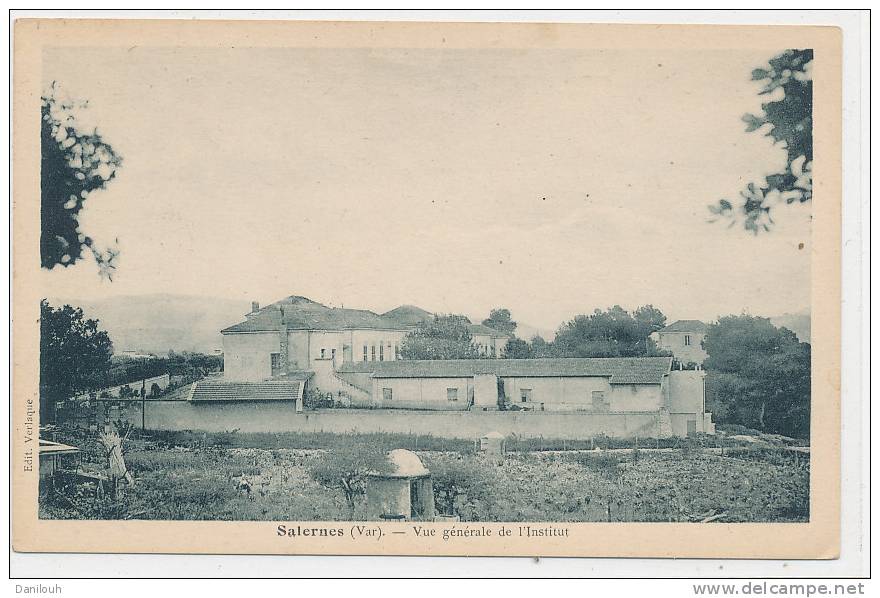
[
  {"x": 684, "y": 339},
  {"x": 402, "y": 493}
]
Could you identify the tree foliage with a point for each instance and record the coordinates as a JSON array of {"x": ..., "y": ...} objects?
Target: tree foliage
[
  {"x": 758, "y": 375},
  {"x": 74, "y": 164},
  {"x": 610, "y": 333},
  {"x": 74, "y": 356},
  {"x": 346, "y": 466},
  {"x": 443, "y": 337},
  {"x": 517, "y": 348},
  {"x": 538, "y": 347},
  {"x": 454, "y": 481},
  {"x": 787, "y": 120},
  {"x": 499, "y": 319}
]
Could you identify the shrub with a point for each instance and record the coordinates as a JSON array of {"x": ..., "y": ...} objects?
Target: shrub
[
  {"x": 345, "y": 468},
  {"x": 454, "y": 478},
  {"x": 605, "y": 464}
]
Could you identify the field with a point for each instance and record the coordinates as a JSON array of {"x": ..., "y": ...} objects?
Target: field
[{"x": 185, "y": 476}]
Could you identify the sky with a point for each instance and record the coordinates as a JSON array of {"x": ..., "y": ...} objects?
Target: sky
[{"x": 550, "y": 182}]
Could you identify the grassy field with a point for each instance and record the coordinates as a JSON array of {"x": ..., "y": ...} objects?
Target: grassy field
[{"x": 194, "y": 476}]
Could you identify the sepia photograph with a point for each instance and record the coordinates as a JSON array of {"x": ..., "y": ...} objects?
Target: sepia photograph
[{"x": 439, "y": 284}]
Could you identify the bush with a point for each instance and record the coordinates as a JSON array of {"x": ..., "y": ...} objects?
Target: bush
[
  {"x": 600, "y": 462},
  {"x": 455, "y": 479}
]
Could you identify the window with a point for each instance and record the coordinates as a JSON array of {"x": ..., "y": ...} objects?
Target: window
[
  {"x": 365, "y": 352},
  {"x": 332, "y": 353},
  {"x": 396, "y": 351},
  {"x": 323, "y": 353},
  {"x": 687, "y": 340},
  {"x": 373, "y": 353},
  {"x": 387, "y": 394},
  {"x": 525, "y": 395},
  {"x": 275, "y": 361},
  {"x": 381, "y": 351},
  {"x": 451, "y": 394}
]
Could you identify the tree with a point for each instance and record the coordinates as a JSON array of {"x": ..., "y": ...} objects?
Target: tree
[
  {"x": 499, "y": 319},
  {"x": 517, "y": 349},
  {"x": 650, "y": 318},
  {"x": 788, "y": 120},
  {"x": 758, "y": 375},
  {"x": 74, "y": 164},
  {"x": 539, "y": 347},
  {"x": 610, "y": 333},
  {"x": 454, "y": 480},
  {"x": 74, "y": 356},
  {"x": 345, "y": 467},
  {"x": 443, "y": 337}
]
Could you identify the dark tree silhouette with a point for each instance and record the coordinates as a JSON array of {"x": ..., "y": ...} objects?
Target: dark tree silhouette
[
  {"x": 74, "y": 356},
  {"x": 74, "y": 164},
  {"x": 758, "y": 375},
  {"x": 611, "y": 333},
  {"x": 517, "y": 348},
  {"x": 789, "y": 122},
  {"x": 499, "y": 319},
  {"x": 444, "y": 337}
]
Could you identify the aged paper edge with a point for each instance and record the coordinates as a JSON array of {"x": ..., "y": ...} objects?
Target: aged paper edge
[{"x": 818, "y": 539}]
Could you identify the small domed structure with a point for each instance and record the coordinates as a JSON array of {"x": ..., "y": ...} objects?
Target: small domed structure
[
  {"x": 406, "y": 464},
  {"x": 402, "y": 493}
]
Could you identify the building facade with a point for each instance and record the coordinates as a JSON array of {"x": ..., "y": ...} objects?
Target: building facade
[
  {"x": 297, "y": 334},
  {"x": 684, "y": 338},
  {"x": 352, "y": 357},
  {"x": 602, "y": 386}
]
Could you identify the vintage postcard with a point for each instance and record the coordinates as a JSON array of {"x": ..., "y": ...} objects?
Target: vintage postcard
[{"x": 426, "y": 289}]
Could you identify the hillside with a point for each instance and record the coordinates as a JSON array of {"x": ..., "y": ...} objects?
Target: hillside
[
  {"x": 798, "y": 323},
  {"x": 158, "y": 323}
]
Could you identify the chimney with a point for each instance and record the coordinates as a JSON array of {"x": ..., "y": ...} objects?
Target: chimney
[{"x": 255, "y": 306}]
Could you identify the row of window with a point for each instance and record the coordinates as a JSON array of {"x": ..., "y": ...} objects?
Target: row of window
[
  {"x": 370, "y": 350},
  {"x": 451, "y": 394},
  {"x": 600, "y": 401}
]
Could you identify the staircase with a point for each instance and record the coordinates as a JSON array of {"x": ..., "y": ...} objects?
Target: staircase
[
  {"x": 273, "y": 390},
  {"x": 354, "y": 392}
]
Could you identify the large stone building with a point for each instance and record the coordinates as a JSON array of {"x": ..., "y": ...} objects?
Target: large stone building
[
  {"x": 684, "y": 338},
  {"x": 352, "y": 356},
  {"x": 297, "y": 335}
]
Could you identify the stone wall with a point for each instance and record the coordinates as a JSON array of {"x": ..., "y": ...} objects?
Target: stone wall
[{"x": 281, "y": 417}]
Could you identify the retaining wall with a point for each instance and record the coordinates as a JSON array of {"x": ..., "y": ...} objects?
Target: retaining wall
[{"x": 281, "y": 417}]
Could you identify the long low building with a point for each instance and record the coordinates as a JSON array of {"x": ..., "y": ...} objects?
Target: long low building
[{"x": 638, "y": 385}]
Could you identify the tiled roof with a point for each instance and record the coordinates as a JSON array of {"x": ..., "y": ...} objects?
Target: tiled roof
[
  {"x": 304, "y": 314},
  {"x": 479, "y": 329},
  {"x": 408, "y": 315},
  {"x": 685, "y": 326},
  {"x": 216, "y": 390},
  {"x": 621, "y": 370}
]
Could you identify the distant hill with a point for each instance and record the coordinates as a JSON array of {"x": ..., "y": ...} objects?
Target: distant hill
[
  {"x": 158, "y": 323},
  {"x": 797, "y": 323}
]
